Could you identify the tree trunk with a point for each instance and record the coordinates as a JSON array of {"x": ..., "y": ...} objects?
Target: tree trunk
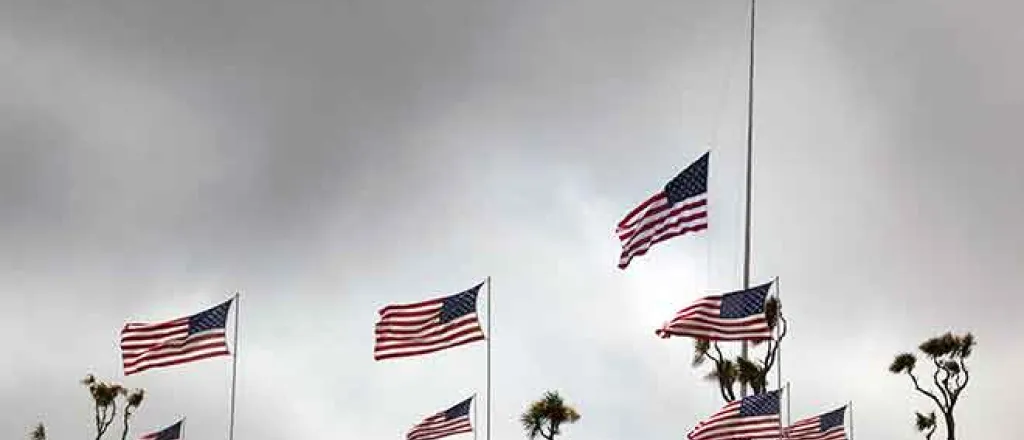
[
  {"x": 950, "y": 425},
  {"x": 124, "y": 429}
]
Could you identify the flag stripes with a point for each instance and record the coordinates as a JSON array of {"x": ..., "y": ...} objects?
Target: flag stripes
[
  {"x": 452, "y": 421},
  {"x": 736, "y": 316},
  {"x": 428, "y": 326},
  {"x": 750, "y": 418},
  {"x": 680, "y": 208},
  {"x": 153, "y": 345}
]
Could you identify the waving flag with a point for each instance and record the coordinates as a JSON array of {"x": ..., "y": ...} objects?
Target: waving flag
[
  {"x": 678, "y": 209},
  {"x": 751, "y": 418},
  {"x": 828, "y": 426},
  {"x": 452, "y": 421},
  {"x": 736, "y": 316},
  {"x": 428, "y": 326},
  {"x": 172, "y": 432},
  {"x": 152, "y": 345}
]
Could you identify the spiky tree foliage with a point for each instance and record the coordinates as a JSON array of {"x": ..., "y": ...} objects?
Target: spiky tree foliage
[
  {"x": 926, "y": 424},
  {"x": 108, "y": 398},
  {"x": 727, "y": 372},
  {"x": 38, "y": 433},
  {"x": 948, "y": 354},
  {"x": 544, "y": 418}
]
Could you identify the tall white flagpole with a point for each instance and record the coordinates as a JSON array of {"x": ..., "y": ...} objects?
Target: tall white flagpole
[
  {"x": 490, "y": 335},
  {"x": 750, "y": 151},
  {"x": 234, "y": 372},
  {"x": 851, "y": 420}
]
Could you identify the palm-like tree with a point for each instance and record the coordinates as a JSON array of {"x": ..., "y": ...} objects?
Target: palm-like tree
[
  {"x": 948, "y": 354},
  {"x": 39, "y": 433},
  {"x": 105, "y": 398},
  {"x": 726, "y": 372},
  {"x": 926, "y": 424},
  {"x": 545, "y": 417}
]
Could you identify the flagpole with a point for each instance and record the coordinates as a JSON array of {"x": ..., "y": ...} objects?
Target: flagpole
[
  {"x": 778, "y": 332},
  {"x": 234, "y": 371},
  {"x": 750, "y": 150},
  {"x": 851, "y": 420},
  {"x": 789, "y": 409},
  {"x": 788, "y": 415},
  {"x": 490, "y": 335}
]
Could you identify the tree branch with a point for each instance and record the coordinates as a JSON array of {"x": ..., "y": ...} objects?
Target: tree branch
[
  {"x": 99, "y": 421},
  {"x": 935, "y": 378},
  {"x": 924, "y": 391},
  {"x": 124, "y": 428},
  {"x": 712, "y": 357},
  {"x": 113, "y": 414},
  {"x": 960, "y": 387}
]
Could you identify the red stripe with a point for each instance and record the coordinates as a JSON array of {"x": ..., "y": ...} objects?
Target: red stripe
[
  {"x": 383, "y": 356},
  {"x": 418, "y": 324},
  {"x": 629, "y": 257},
  {"x": 399, "y": 307},
  {"x": 394, "y": 314},
  {"x": 147, "y": 335},
  {"x": 157, "y": 355},
  {"x": 467, "y": 328},
  {"x": 428, "y": 337},
  {"x": 626, "y": 220},
  {"x": 674, "y": 210},
  {"x": 176, "y": 362},
  {"x": 172, "y": 344},
  {"x": 145, "y": 327},
  {"x": 661, "y": 229}
]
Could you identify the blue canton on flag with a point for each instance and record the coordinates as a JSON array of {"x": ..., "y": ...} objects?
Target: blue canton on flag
[
  {"x": 459, "y": 305},
  {"x": 745, "y": 302},
  {"x": 211, "y": 319}
]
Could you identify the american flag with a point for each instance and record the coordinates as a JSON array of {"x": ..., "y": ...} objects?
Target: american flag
[
  {"x": 454, "y": 420},
  {"x": 172, "y": 432},
  {"x": 428, "y": 326},
  {"x": 736, "y": 316},
  {"x": 679, "y": 208},
  {"x": 828, "y": 426},
  {"x": 174, "y": 342},
  {"x": 753, "y": 417}
]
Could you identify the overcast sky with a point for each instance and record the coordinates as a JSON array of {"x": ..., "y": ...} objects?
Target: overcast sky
[{"x": 327, "y": 158}]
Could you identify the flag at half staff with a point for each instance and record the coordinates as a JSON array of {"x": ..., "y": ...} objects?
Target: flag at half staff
[
  {"x": 750, "y": 418},
  {"x": 828, "y": 426},
  {"x": 736, "y": 316},
  {"x": 428, "y": 326},
  {"x": 178, "y": 341},
  {"x": 452, "y": 421},
  {"x": 172, "y": 432},
  {"x": 678, "y": 209}
]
